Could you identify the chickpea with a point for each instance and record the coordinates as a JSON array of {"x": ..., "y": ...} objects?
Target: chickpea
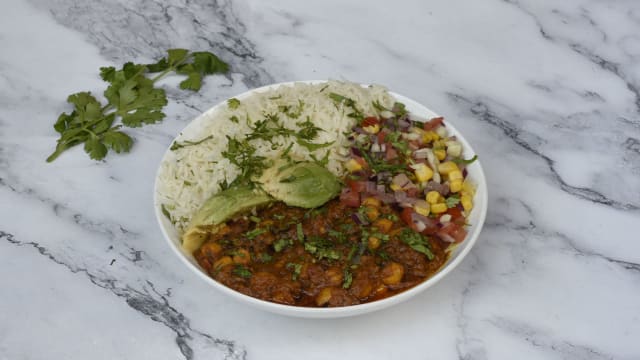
[
  {"x": 211, "y": 249},
  {"x": 392, "y": 273},
  {"x": 241, "y": 256},
  {"x": 371, "y": 202},
  {"x": 222, "y": 262},
  {"x": 323, "y": 296},
  {"x": 334, "y": 276},
  {"x": 372, "y": 213},
  {"x": 223, "y": 230},
  {"x": 384, "y": 225},
  {"x": 374, "y": 242}
]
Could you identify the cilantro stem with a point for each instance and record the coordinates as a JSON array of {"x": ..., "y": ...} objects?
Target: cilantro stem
[
  {"x": 170, "y": 69},
  {"x": 162, "y": 74}
]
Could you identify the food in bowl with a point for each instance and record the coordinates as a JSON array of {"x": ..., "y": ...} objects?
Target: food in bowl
[{"x": 318, "y": 195}]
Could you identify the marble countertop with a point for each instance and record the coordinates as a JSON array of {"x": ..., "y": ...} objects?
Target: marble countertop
[{"x": 548, "y": 93}]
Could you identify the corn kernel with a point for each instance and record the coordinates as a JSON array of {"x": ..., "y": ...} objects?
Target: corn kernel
[
  {"x": 454, "y": 148},
  {"x": 466, "y": 202},
  {"x": 433, "y": 197},
  {"x": 440, "y": 153},
  {"x": 423, "y": 172},
  {"x": 455, "y": 175},
  {"x": 455, "y": 186},
  {"x": 372, "y": 129},
  {"x": 468, "y": 188},
  {"x": 438, "y": 208},
  {"x": 352, "y": 165},
  {"x": 430, "y": 136},
  {"x": 446, "y": 167},
  {"x": 423, "y": 209},
  {"x": 395, "y": 187}
]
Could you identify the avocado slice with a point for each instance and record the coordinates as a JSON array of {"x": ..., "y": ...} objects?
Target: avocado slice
[
  {"x": 305, "y": 184},
  {"x": 219, "y": 208}
]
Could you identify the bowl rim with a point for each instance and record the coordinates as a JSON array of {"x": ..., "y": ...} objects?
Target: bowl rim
[{"x": 344, "y": 311}]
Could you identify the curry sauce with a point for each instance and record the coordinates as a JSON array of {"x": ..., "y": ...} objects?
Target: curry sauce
[{"x": 334, "y": 255}]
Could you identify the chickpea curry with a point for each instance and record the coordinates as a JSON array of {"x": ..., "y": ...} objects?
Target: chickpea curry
[{"x": 333, "y": 255}]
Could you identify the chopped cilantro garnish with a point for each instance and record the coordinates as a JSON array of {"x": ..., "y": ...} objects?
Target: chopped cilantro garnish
[
  {"x": 295, "y": 268},
  {"x": 176, "y": 145},
  {"x": 280, "y": 244},
  {"x": 242, "y": 271},
  {"x": 466, "y": 162},
  {"x": 299, "y": 232},
  {"x": 350, "y": 103},
  {"x": 265, "y": 258},
  {"x": 255, "y": 232},
  {"x": 417, "y": 242},
  {"x": 452, "y": 201},
  {"x": 233, "y": 103},
  {"x": 348, "y": 279}
]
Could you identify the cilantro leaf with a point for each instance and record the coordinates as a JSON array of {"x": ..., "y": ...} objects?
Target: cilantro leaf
[
  {"x": 452, "y": 201},
  {"x": 192, "y": 82},
  {"x": 117, "y": 141},
  {"x": 202, "y": 63},
  {"x": 135, "y": 98},
  {"x": 107, "y": 73},
  {"x": 95, "y": 148}
]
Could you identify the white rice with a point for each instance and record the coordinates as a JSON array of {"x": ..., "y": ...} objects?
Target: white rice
[{"x": 193, "y": 173}]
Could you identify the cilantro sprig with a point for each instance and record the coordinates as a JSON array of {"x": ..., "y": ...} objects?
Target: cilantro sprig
[{"x": 133, "y": 100}]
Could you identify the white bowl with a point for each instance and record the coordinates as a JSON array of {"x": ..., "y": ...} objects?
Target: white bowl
[{"x": 476, "y": 220}]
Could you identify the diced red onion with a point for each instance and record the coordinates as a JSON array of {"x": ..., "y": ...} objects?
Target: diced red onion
[
  {"x": 421, "y": 153},
  {"x": 428, "y": 222},
  {"x": 443, "y": 189},
  {"x": 386, "y": 198},
  {"x": 359, "y": 219},
  {"x": 446, "y": 237},
  {"x": 401, "y": 180}
]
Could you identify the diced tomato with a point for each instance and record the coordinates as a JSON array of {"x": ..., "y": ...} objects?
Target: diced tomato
[
  {"x": 430, "y": 230},
  {"x": 381, "y": 135},
  {"x": 405, "y": 215},
  {"x": 390, "y": 152},
  {"x": 433, "y": 123},
  {"x": 369, "y": 121},
  {"x": 357, "y": 185},
  {"x": 412, "y": 192},
  {"x": 350, "y": 198},
  {"x": 453, "y": 231},
  {"x": 456, "y": 214}
]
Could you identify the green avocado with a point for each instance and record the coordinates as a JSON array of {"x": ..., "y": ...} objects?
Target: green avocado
[
  {"x": 305, "y": 184},
  {"x": 219, "y": 208}
]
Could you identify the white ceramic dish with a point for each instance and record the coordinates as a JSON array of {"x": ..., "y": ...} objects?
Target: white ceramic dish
[{"x": 476, "y": 220}]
